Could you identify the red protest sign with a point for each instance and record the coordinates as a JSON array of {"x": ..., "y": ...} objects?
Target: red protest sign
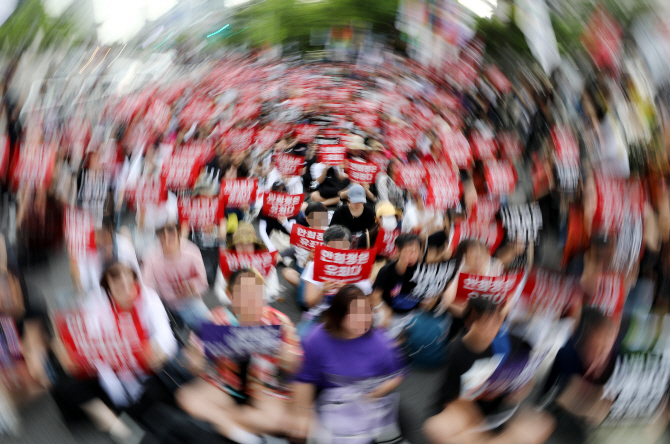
[
  {"x": 400, "y": 141},
  {"x": 332, "y": 154},
  {"x": 491, "y": 233},
  {"x": 342, "y": 265},
  {"x": 497, "y": 289},
  {"x": 276, "y": 205},
  {"x": 267, "y": 138},
  {"x": 305, "y": 237},
  {"x": 610, "y": 294},
  {"x": 498, "y": 79},
  {"x": 200, "y": 212},
  {"x": 247, "y": 110},
  {"x": 148, "y": 190},
  {"x": 306, "y": 133},
  {"x": 617, "y": 200},
  {"x": 235, "y": 193},
  {"x": 362, "y": 172},
  {"x": 181, "y": 170},
  {"x": 196, "y": 111},
  {"x": 380, "y": 160},
  {"x": 500, "y": 177},
  {"x": 79, "y": 231},
  {"x": 202, "y": 149},
  {"x": 410, "y": 176},
  {"x": 263, "y": 262},
  {"x": 366, "y": 120},
  {"x": 34, "y": 166},
  {"x": 566, "y": 149},
  {"x": 444, "y": 186},
  {"x": 385, "y": 243},
  {"x": 90, "y": 339},
  {"x": 483, "y": 146},
  {"x": 549, "y": 294},
  {"x": 240, "y": 139},
  {"x": 289, "y": 164},
  {"x": 457, "y": 147}
]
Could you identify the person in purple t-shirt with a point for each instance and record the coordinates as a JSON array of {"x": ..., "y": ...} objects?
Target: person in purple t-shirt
[{"x": 353, "y": 367}]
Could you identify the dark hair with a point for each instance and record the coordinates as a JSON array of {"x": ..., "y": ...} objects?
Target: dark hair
[
  {"x": 236, "y": 275},
  {"x": 107, "y": 271},
  {"x": 336, "y": 232},
  {"x": 477, "y": 308},
  {"x": 107, "y": 224},
  {"x": 278, "y": 187},
  {"x": 405, "y": 239},
  {"x": 315, "y": 207},
  {"x": 339, "y": 307},
  {"x": 591, "y": 321}
]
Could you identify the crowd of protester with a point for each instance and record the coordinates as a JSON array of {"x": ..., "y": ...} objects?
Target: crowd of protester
[{"x": 504, "y": 233}]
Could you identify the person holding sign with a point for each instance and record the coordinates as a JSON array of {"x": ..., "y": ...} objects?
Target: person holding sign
[
  {"x": 330, "y": 180},
  {"x": 473, "y": 406},
  {"x": 133, "y": 317},
  {"x": 177, "y": 272},
  {"x": 245, "y": 397},
  {"x": 350, "y": 369}
]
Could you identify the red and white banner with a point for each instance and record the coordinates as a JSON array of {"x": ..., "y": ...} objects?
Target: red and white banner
[
  {"x": 276, "y": 205},
  {"x": 549, "y": 294},
  {"x": 34, "y": 166},
  {"x": 400, "y": 140},
  {"x": 566, "y": 149},
  {"x": 289, "y": 164},
  {"x": 491, "y": 233},
  {"x": 610, "y": 294},
  {"x": 306, "y": 133},
  {"x": 181, "y": 170},
  {"x": 410, "y": 176},
  {"x": 444, "y": 186},
  {"x": 332, "y": 154},
  {"x": 362, "y": 172},
  {"x": 483, "y": 146},
  {"x": 484, "y": 209},
  {"x": 79, "y": 231},
  {"x": 240, "y": 139},
  {"x": 263, "y": 262},
  {"x": 497, "y": 289},
  {"x": 331, "y": 264},
  {"x": 500, "y": 177},
  {"x": 617, "y": 201},
  {"x": 457, "y": 147},
  {"x": 200, "y": 212},
  {"x": 202, "y": 149},
  {"x": 305, "y": 237},
  {"x": 92, "y": 338},
  {"x": 385, "y": 243},
  {"x": 266, "y": 138},
  {"x": 148, "y": 190},
  {"x": 236, "y": 193},
  {"x": 380, "y": 160}
]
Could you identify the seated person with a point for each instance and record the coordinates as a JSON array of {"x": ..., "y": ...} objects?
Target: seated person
[
  {"x": 243, "y": 400},
  {"x": 245, "y": 242},
  {"x": 125, "y": 390},
  {"x": 468, "y": 416},
  {"x": 177, "y": 272},
  {"x": 356, "y": 216},
  {"x": 315, "y": 296},
  {"x": 330, "y": 181},
  {"x": 315, "y": 216},
  {"x": 346, "y": 356}
]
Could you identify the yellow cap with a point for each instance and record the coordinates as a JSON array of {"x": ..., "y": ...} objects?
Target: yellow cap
[{"x": 385, "y": 209}]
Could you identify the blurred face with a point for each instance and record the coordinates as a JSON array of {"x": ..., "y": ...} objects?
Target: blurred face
[
  {"x": 169, "y": 239},
  {"x": 245, "y": 248},
  {"x": 469, "y": 195},
  {"x": 410, "y": 254},
  {"x": 318, "y": 219},
  {"x": 247, "y": 298},
  {"x": 356, "y": 207},
  {"x": 122, "y": 286},
  {"x": 359, "y": 319},
  {"x": 595, "y": 351},
  {"x": 477, "y": 259},
  {"x": 340, "y": 244}
]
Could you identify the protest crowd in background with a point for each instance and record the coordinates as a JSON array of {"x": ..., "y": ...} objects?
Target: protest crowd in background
[{"x": 509, "y": 233}]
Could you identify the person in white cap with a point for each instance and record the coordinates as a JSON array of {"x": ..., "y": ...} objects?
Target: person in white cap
[{"x": 356, "y": 216}]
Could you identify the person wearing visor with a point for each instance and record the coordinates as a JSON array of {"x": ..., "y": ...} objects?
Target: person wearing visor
[{"x": 177, "y": 272}]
